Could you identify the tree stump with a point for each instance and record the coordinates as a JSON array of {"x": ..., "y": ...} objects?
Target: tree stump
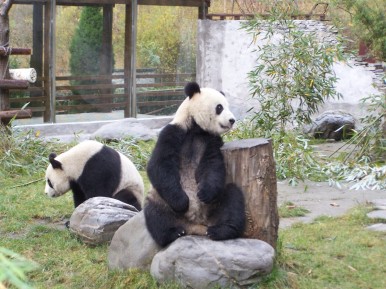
[{"x": 250, "y": 164}]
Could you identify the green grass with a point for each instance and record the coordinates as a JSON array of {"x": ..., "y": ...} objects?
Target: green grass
[
  {"x": 329, "y": 253},
  {"x": 333, "y": 253},
  {"x": 289, "y": 210}
]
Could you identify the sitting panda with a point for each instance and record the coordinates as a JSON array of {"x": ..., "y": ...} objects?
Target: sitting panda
[
  {"x": 91, "y": 169},
  {"x": 187, "y": 172}
]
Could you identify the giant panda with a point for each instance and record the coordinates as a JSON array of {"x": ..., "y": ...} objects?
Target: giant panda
[
  {"x": 91, "y": 169},
  {"x": 189, "y": 195}
]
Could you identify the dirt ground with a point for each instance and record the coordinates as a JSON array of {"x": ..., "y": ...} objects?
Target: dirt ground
[{"x": 320, "y": 198}]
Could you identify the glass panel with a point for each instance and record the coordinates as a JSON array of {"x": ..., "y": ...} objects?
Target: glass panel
[
  {"x": 21, "y": 37},
  {"x": 166, "y": 57},
  {"x": 89, "y": 83}
]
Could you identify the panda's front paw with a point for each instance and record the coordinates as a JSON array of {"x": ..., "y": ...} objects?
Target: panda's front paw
[
  {"x": 181, "y": 205},
  {"x": 206, "y": 196}
]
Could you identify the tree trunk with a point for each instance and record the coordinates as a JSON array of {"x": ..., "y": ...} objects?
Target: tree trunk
[
  {"x": 250, "y": 165},
  {"x": 4, "y": 43}
]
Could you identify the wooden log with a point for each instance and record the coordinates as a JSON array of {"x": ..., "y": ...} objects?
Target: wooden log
[
  {"x": 250, "y": 164},
  {"x": 7, "y": 115},
  {"x": 14, "y": 51},
  {"x": 28, "y": 74},
  {"x": 11, "y": 83}
]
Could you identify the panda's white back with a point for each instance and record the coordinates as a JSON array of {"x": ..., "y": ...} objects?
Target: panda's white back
[
  {"x": 130, "y": 178},
  {"x": 74, "y": 159}
]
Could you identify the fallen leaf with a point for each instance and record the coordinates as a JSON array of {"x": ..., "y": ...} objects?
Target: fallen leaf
[{"x": 352, "y": 268}]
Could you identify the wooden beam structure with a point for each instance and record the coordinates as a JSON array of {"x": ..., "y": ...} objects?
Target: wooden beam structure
[
  {"x": 187, "y": 3},
  {"x": 14, "y": 51},
  {"x": 44, "y": 44}
]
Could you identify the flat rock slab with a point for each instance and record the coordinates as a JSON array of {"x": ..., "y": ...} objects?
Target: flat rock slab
[
  {"x": 379, "y": 204},
  {"x": 198, "y": 262},
  {"x": 132, "y": 246},
  {"x": 378, "y": 214},
  {"x": 97, "y": 219},
  {"x": 377, "y": 227}
]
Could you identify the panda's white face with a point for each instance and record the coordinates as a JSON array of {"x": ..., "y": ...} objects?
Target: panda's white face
[
  {"x": 209, "y": 109},
  {"x": 57, "y": 182}
]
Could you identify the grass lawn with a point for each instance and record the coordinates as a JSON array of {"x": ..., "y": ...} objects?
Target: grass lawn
[{"x": 329, "y": 253}]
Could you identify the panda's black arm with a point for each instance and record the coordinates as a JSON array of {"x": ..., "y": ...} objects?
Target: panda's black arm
[
  {"x": 211, "y": 172},
  {"x": 163, "y": 168}
]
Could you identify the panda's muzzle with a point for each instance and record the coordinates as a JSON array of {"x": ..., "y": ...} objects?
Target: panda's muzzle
[{"x": 227, "y": 127}]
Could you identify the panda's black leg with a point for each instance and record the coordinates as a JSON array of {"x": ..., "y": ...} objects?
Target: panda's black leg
[
  {"x": 128, "y": 197},
  {"x": 78, "y": 194},
  {"x": 162, "y": 224},
  {"x": 228, "y": 216}
]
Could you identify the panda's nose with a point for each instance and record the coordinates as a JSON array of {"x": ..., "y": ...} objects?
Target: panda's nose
[{"x": 232, "y": 120}]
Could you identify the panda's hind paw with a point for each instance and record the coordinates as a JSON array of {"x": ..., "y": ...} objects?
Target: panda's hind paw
[{"x": 221, "y": 232}]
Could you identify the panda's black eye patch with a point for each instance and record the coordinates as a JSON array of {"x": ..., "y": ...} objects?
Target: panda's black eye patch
[
  {"x": 219, "y": 109},
  {"x": 49, "y": 183}
]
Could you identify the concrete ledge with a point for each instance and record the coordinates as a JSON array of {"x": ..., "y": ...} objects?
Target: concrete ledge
[{"x": 69, "y": 130}]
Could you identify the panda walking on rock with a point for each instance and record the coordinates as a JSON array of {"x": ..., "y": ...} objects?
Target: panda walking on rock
[{"x": 187, "y": 173}]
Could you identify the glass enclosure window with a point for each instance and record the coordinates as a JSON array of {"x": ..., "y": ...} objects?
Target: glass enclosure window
[
  {"x": 21, "y": 37},
  {"x": 90, "y": 82},
  {"x": 165, "y": 58}
]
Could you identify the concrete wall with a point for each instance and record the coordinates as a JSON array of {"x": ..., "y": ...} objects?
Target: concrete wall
[{"x": 226, "y": 53}]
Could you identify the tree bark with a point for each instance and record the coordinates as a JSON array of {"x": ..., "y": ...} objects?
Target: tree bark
[{"x": 250, "y": 165}]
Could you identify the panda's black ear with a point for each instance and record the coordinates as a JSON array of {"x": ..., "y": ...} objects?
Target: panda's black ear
[
  {"x": 192, "y": 88},
  {"x": 55, "y": 164}
]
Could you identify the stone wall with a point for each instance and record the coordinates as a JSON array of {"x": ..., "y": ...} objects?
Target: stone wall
[{"x": 226, "y": 53}]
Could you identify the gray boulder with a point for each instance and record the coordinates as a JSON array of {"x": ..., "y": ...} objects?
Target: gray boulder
[
  {"x": 332, "y": 124},
  {"x": 198, "y": 262},
  {"x": 132, "y": 246},
  {"x": 97, "y": 219}
]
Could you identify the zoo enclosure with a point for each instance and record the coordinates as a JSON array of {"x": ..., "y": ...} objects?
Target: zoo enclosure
[{"x": 149, "y": 91}]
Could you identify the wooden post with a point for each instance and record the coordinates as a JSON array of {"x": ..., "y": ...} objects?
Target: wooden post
[
  {"x": 250, "y": 165},
  {"x": 130, "y": 58},
  {"x": 49, "y": 61},
  {"x": 4, "y": 43},
  {"x": 106, "y": 60},
  {"x": 37, "y": 48}
]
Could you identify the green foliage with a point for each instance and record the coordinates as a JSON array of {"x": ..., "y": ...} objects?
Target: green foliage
[
  {"x": 371, "y": 138},
  {"x": 368, "y": 22},
  {"x": 13, "y": 269},
  {"x": 24, "y": 153},
  {"x": 293, "y": 75},
  {"x": 137, "y": 151},
  {"x": 166, "y": 39},
  {"x": 295, "y": 158},
  {"x": 86, "y": 44}
]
